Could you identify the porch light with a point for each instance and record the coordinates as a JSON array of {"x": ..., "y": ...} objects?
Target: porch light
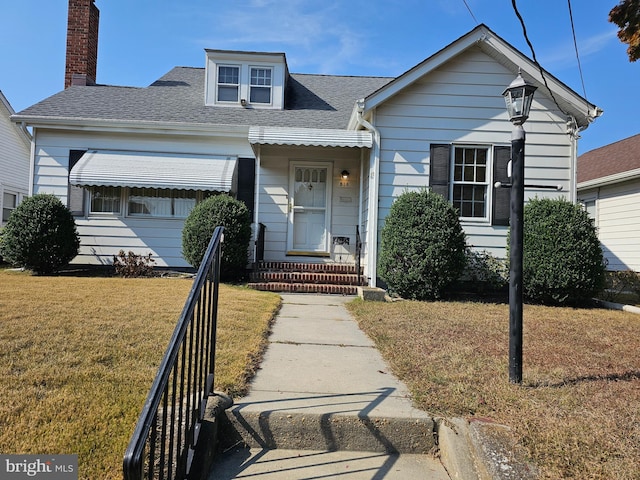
[
  {"x": 345, "y": 174},
  {"x": 518, "y": 97}
]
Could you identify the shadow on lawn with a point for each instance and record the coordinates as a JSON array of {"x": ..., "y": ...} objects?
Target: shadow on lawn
[{"x": 613, "y": 377}]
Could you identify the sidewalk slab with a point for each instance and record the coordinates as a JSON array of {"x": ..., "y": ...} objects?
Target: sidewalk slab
[
  {"x": 306, "y": 464},
  {"x": 324, "y": 401}
]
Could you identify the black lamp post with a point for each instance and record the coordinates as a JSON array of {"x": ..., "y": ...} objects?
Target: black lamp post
[{"x": 518, "y": 97}]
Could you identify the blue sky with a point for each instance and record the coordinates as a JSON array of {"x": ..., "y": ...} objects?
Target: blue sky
[{"x": 140, "y": 40}]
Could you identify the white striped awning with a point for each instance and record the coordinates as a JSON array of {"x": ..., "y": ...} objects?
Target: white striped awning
[
  {"x": 310, "y": 137},
  {"x": 154, "y": 170}
]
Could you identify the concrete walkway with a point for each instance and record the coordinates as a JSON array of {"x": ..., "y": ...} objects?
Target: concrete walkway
[{"x": 325, "y": 405}]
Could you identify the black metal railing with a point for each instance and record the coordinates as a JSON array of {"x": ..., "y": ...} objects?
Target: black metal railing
[
  {"x": 259, "y": 246},
  {"x": 166, "y": 435},
  {"x": 358, "y": 255}
]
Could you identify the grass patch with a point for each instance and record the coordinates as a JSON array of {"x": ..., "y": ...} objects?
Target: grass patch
[
  {"x": 78, "y": 356},
  {"x": 577, "y": 413}
]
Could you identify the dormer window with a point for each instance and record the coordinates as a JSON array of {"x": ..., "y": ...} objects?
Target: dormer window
[
  {"x": 260, "y": 85},
  {"x": 250, "y": 80},
  {"x": 228, "y": 83}
]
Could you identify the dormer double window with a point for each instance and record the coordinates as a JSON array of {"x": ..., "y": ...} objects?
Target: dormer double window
[
  {"x": 228, "y": 85},
  {"x": 245, "y": 79}
]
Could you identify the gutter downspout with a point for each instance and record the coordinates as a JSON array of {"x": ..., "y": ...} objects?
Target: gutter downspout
[
  {"x": 374, "y": 180},
  {"x": 256, "y": 203},
  {"x": 574, "y": 134},
  {"x": 32, "y": 162}
]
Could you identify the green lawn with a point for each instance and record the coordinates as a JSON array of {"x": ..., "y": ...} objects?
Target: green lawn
[{"x": 78, "y": 356}]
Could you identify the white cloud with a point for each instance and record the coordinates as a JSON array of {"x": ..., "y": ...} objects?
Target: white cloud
[{"x": 565, "y": 55}]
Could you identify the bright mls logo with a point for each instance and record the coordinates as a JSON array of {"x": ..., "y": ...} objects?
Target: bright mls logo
[{"x": 49, "y": 467}]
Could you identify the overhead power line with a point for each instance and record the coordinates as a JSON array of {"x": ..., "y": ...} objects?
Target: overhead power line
[
  {"x": 533, "y": 54},
  {"x": 472, "y": 15},
  {"x": 575, "y": 45}
]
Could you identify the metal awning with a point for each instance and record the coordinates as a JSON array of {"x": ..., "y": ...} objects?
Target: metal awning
[
  {"x": 310, "y": 137},
  {"x": 154, "y": 170}
]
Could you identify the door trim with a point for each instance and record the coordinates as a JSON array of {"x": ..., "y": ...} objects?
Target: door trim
[{"x": 325, "y": 252}]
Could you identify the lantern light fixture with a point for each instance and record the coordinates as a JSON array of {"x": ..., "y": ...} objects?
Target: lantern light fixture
[
  {"x": 518, "y": 97},
  {"x": 345, "y": 174}
]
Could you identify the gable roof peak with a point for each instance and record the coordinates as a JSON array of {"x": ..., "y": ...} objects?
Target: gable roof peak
[{"x": 502, "y": 52}]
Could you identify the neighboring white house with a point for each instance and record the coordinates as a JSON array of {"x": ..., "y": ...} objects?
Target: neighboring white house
[
  {"x": 15, "y": 148},
  {"x": 315, "y": 157},
  {"x": 609, "y": 187}
]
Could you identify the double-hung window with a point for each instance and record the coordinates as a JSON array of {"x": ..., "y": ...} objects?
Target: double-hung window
[
  {"x": 9, "y": 204},
  {"x": 465, "y": 175},
  {"x": 470, "y": 181},
  {"x": 228, "y": 83},
  {"x": 260, "y": 85}
]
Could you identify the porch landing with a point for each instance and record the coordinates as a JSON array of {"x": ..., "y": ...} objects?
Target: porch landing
[{"x": 299, "y": 277}]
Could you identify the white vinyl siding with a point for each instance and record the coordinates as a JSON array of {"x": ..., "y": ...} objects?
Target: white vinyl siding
[
  {"x": 618, "y": 223},
  {"x": 14, "y": 162},
  {"x": 461, "y": 104},
  {"x": 102, "y": 236}
]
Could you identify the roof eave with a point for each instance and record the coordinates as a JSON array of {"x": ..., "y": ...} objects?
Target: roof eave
[
  {"x": 93, "y": 124},
  {"x": 583, "y": 111},
  {"x": 610, "y": 179}
]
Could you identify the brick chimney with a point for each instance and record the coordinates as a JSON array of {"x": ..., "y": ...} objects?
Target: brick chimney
[{"x": 82, "y": 43}]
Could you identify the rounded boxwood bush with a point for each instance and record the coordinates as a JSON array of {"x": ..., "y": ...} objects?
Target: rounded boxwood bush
[
  {"x": 40, "y": 235},
  {"x": 422, "y": 246},
  {"x": 233, "y": 215},
  {"x": 562, "y": 258}
]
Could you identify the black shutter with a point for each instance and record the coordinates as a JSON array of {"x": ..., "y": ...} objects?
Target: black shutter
[
  {"x": 440, "y": 171},
  {"x": 247, "y": 183},
  {"x": 76, "y": 193},
  {"x": 501, "y": 196}
]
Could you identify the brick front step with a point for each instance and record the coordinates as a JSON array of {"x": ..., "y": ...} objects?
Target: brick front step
[
  {"x": 341, "y": 268},
  {"x": 305, "y": 277},
  {"x": 305, "y": 288}
]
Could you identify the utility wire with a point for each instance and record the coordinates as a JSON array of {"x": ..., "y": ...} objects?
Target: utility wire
[
  {"x": 575, "y": 45},
  {"x": 533, "y": 54},
  {"x": 472, "y": 15}
]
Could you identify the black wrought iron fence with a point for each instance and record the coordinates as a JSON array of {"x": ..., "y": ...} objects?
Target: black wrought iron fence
[
  {"x": 166, "y": 435},
  {"x": 358, "y": 255}
]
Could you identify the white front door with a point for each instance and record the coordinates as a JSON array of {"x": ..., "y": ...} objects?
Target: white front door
[{"x": 309, "y": 208}]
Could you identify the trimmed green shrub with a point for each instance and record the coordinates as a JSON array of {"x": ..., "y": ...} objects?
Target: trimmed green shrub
[
  {"x": 233, "y": 215},
  {"x": 562, "y": 257},
  {"x": 422, "y": 246},
  {"x": 40, "y": 235}
]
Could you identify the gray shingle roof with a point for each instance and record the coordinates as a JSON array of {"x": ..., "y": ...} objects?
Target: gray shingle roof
[{"x": 313, "y": 101}]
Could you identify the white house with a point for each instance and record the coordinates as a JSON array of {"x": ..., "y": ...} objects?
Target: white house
[
  {"x": 15, "y": 151},
  {"x": 609, "y": 187},
  {"x": 316, "y": 158}
]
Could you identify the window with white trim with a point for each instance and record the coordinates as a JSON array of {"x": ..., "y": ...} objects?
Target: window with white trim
[
  {"x": 105, "y": 199},
  {"x": 9, "y": 204},
  {"x": 161, "y": 202},
  {"x": 466, "y": 175},
  {"x": 470, "y": 181},
  {"x": 260, "y": 85},
  {"x": 228, "y": 83}
]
